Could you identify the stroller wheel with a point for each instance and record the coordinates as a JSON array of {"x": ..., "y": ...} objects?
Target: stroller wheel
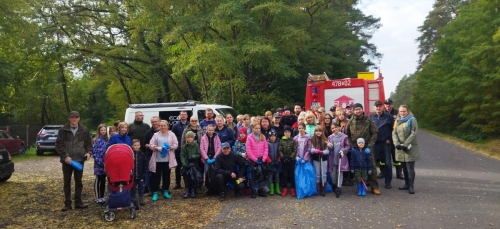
[
  {"x": 133, "y": 213},
  {"x": 109, "y": 216}
]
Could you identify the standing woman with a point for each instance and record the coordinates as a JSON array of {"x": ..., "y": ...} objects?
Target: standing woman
[
  {"x": 121, "y": 137},
  {"x": 269, "y": 115},
  {"x": 99, "y": 149},
  {"x": 404, "y": 136},
  {"x": 163, "y": 144},
  {"x": 327, "y": 124},
  {"x": 230, "y": 123},
  {"x": 310, "y": 123}
]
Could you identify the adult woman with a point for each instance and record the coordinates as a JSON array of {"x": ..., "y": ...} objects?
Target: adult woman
[
  {"x": 265, "y": 126},
  {"x": 269, "y": 115},
  {"x": 327, "y": 124},
  {"x": 300, "y": 120},
  {"x": 121, "y": 137},
  {"x": 223, "y": 131},
  {"x": 195, "y": 128},
  {"x": 163, "y": 145},
  {"x": 99, "y": 149},
  {"x": 404, "y": 136},
  {"x": 231, "y": 125},
  {"x": 310, "y": 123}
]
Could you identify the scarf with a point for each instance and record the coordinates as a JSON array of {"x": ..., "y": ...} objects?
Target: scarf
[{"x": 406, "y": 119}]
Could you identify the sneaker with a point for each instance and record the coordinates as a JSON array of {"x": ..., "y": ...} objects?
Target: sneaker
[
  {"x": 166, "y": 194},
  {"x": 388, "y": 186}
]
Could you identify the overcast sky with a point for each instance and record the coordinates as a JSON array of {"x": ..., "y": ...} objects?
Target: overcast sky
[{"x": 396, "y": 38}]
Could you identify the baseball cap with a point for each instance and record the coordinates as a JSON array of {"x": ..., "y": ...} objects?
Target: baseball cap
[
  {"x": 277, "y": 115},
  {"x": 389, "y": 101},
  {"x": 349, "y": 105},
  {"x": 332, "y": 108},
  {"x": 225, "y": 145},
  {"x": 358, "y": 105},
  {"x": 74, "y": 114},
  {"x": 378, "y": 103}
]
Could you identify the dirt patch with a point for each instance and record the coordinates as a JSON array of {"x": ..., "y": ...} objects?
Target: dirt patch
[{"x": 33, "y": 198}]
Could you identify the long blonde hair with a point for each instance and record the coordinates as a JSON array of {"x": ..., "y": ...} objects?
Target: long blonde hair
[
  {"x": 396, "y": 123},
  {"x": 98, "y": 133},
  {"x": 261, "y": 136}
]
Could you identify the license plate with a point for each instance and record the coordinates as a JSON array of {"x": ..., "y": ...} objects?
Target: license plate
[
  {"x": 52, "y": 138},
  {"x": 315, "y": 105}
]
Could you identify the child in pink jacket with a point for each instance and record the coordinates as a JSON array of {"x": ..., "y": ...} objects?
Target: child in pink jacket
[
  {"x": 257, "y": 152},
  {"x": 210, "y": 147}
]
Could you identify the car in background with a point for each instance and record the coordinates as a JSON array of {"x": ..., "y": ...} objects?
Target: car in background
[
  {"x": 46, "y": 139},
  {"x": 6, "y": 164},
  {"x": 12, "y": 143}
]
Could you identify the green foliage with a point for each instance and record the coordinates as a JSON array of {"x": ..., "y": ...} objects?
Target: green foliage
[
  {"x": 404, "y": 91},
  {"x": 457, "y": 89},
  {"x": 99, "y": 56}
]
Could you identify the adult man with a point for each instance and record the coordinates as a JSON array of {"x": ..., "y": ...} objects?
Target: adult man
[
  {"x": 297, "y": 109},
  {"x": 287, "y": 118},
  {"x": 209, "y": 119},
  {"x": 138, "y": 129},
  {"x": 226, "y": 169},
  {"x": 332, "y": 112},
  {"x": 178, "y": 129},
  {"x": 361, "y": 126},
  {"x": 278, "y": 127},
  {"x": 382, "y": 147},
  {"x": 73, "y": 143},
  {"x": 389, "y": 108},
  {"x": 155, "y": 127},
  {"x": 348, "y": 111}
]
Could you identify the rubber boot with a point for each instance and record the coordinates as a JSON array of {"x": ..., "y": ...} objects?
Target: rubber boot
[
  {"x": 277, "y": 189},
  {"x": 293, "y": 193},
  {"x": 166, "y": 194},
  {"x": 186, "y": 192},
  {"x": 192, "y": 194},
  {"x": 285, "y": 192},
  {"x": 322, "y": 189},
  {"x": 318, "y": 187},
  {"x": 381, "y": 174},
  {"x": 407, "y": 180},
  {"x": 399, "y": 172},
  {"x": 271, "y": 188},
  {"x": 359, "y": 188},
  {"x": 363, "y": 190},
  {"x": 411, "y": 180},
  {"x": 155, "y": 196}
]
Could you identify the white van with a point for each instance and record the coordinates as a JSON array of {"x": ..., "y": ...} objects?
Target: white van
[{"x": 170, "y": 111}]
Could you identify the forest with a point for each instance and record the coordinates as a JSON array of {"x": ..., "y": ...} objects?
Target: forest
[
  {"x": 454, "y": 89},
  {"x": 98, "y": 56}
]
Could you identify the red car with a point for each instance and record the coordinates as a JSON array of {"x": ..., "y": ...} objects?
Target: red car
[{"x": 12, "y": 143}]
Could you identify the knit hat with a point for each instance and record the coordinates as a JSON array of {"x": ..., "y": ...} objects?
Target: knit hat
[
  {"x": 287, "y": 127},
  {"x": 243, "y": 130},
  {"x": 287, "y": 108},
  {"x": 360, "y": 140},
  {"x": 272, "y": 133},
  {"x": 356, "y": 105},
  {"x": 190, "y": 134}
]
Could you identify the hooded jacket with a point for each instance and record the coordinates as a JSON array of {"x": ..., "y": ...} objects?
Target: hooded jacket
[
  {"x": 288, "y": 149},
  {"x": 204, "y": 147},
  {"x": 225, "y": 135},
  {"x": 273, "y": 150},
  {"x": 257, "y": 149},
  {"x": 303, "y": 146},
  {"x": 384, "y": 123},
  {"x": 153, "y": 143},
  {"x": 360, "y": 159},
  {"x": 190, "y": 151}
]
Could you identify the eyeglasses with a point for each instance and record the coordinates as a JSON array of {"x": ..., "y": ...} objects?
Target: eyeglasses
[{"x": 194, "y": 121}]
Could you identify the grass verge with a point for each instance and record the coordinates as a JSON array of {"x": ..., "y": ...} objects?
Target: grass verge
[
  {"x": 31, "y": 155},
  {"x": 490, "y": 148}
]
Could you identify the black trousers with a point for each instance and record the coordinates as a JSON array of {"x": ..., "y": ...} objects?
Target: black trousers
[
  {"x": 288, "y": 174},
  {"x": 68, "y": 171},
  {"x": 221, "y": 181},
  {"x": 99, "y": 186},
  {"x": 178, "y": 168},
  {"x": 162, "y": 174}
]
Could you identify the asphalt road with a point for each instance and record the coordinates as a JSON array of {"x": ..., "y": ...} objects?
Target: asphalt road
[{"x": 455, "y": 188}]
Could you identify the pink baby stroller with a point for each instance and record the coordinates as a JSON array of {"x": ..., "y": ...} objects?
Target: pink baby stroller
[{"x": 119, "y": 166}]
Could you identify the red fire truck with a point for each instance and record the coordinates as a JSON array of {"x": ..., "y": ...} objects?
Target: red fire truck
[{"x": 323, "y": 92}]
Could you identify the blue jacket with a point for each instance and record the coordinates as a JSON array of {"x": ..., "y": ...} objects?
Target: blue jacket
[
  {"x": 273, "y": 150},
  {"x": 384, "y": 123},
  {"x": 204, "y": 123},
  {"x": 119, "y": 139},
  {"x": 225, "y": 135},
  {"x": 360, "y": 160},
  {"x": 178, "y": 129}
]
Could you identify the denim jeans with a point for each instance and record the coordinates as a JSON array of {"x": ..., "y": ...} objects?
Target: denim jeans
[{"x": 383, "y": 152}]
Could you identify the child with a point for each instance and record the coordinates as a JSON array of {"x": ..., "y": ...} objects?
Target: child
[
  {"x": 337, "y": 142},
  {"x": 300, "y": 120},
  {"x": 240, "y": 149},
  {"x": 319, "y": 152},
  {"x": 141, "y": 166},
  {"x": 210, "y": 148},
  {"x": 190, "y": 155},
  {"x": 257, "y": 151},
  {"x": 303, "y": 141},
  {"x": 361, "y": 165},
  {"x": 274, "y": 160},
  {"x": 111, "y": 131},
  {"x": 288, "y": 149},
  {"x": 99, "y": 149}
]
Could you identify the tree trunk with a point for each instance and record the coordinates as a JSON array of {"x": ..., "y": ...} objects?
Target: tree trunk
[
  {"x": 204, "y": 85},
  {"x": 63, "y": 82},
  {"x": 127, "y": 93}
]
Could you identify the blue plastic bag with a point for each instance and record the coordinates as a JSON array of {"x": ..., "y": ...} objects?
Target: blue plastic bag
[
  {"x": 164, "y": 149},
  {"x": 76, "y": 165},
  {"x": 328, "y": 188},
  {"x": 305, "y": 179}
]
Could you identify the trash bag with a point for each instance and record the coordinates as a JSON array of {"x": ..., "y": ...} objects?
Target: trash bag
[
  {"x": 211, "y": 176},
  {"x": 272, "y": 168},
  {"x": 259, "y": 173},
  {"x": 195, "y": 177},
  {"x": 328, "y": 188},
  {"x": 305, "y": 179}
]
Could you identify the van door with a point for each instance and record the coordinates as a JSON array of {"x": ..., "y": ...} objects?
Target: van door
[{"x": 172, "y": 116}]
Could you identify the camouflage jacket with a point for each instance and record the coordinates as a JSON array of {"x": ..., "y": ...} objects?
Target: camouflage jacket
[{"x": 362, "y": 127}]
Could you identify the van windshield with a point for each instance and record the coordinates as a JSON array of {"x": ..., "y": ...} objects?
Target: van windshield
[{"x": 224, "y": 111}]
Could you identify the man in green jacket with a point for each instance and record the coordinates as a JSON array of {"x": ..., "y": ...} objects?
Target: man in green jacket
[
  {"x": 73, "y": 143},
  {"x": 361, "y": 126}
]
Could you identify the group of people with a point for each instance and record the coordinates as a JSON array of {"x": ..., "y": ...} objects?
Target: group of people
[{"x": 255, "y": 156}]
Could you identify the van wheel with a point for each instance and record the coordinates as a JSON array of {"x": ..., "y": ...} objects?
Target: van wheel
[{"x": 5, "y": 178}]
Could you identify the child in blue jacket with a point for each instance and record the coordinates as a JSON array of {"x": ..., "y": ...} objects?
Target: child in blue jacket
[{"x": 361, "y": 165}]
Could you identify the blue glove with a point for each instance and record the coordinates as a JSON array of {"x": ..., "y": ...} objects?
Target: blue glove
[
  {"x": 210, "y": 161},
  {"x": 258, "y": 162},
  {"x": 166, "y": 146},
  {"x": 367, "y": 150}
]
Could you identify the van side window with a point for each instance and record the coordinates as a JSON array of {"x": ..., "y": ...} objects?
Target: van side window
[{"x": 201, "y": 115}]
